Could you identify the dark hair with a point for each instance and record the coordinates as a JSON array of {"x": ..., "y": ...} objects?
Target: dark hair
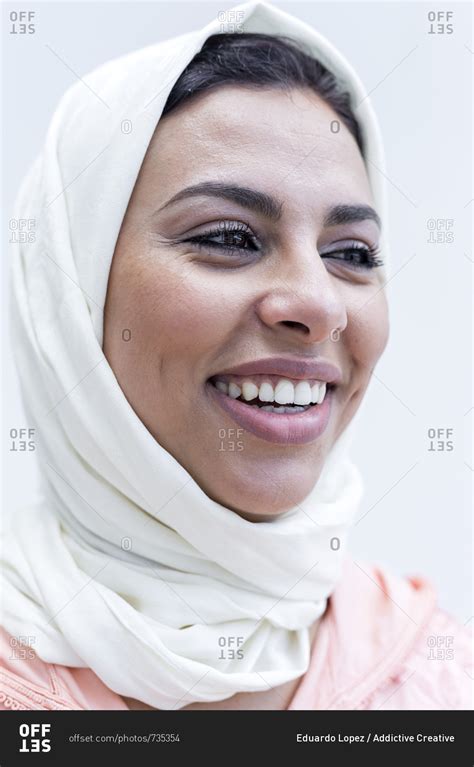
[{"x": 257, "y": 60}]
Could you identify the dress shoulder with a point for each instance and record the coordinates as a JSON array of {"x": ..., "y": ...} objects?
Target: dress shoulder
[
  {"x": 27, "y": 682},
  {"x": 437, "y": 674}
]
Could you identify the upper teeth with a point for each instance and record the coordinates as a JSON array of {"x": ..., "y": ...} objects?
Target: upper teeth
[{"x": 284, "y": 393}]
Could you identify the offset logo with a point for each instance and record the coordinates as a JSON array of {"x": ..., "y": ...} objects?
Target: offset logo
[{"x": 34, "y": 738}]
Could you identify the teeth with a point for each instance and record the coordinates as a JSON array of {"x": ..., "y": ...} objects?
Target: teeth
[
  {"x": 284, "y": 392},
  {"x": 302, "y": 393},
  {"x": 249, "y": 390},
  {"x": 322, "y": 392},
  {"x": 282, "y": 409},
  {"x": 315, "y": 393},
  {"x": 299, "y": 395},
  {"x": 266, "y": 393},
  {"x": 234, "y": 391}
]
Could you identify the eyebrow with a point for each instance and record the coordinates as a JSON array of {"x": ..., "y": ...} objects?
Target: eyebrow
[
  {"x": 252, "y": 199},
  {"x": 269, "y": 206},
  {"x": 346, "y": 214}
]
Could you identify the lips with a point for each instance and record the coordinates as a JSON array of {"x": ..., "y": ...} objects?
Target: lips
[{"x": 281, "y": 400}]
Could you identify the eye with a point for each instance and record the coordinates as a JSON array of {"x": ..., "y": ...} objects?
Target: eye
[
  {"x": 230, "y": 236},
  {"x": 356, "y": 255}
]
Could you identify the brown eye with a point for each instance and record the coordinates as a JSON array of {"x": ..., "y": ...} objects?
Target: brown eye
[
  {"x": 228, "y": 237},
  {"x": 356, "y": 256}
]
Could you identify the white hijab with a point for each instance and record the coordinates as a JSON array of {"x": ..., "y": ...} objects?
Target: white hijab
[{"x": 126, "y": 566}]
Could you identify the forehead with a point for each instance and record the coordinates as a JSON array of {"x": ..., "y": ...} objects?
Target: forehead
[{"x": 291, "y": 141}]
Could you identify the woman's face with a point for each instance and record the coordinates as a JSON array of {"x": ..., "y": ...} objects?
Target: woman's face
[{"x": 243, "y": 282}]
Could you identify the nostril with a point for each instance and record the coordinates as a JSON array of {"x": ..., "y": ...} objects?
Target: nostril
[{"x": 298, "y": 325}]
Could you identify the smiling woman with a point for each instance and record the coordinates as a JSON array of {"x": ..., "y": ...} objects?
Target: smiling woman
[
  {"x": 200, "y": 339},
  {"x": 253, "y": 224}
]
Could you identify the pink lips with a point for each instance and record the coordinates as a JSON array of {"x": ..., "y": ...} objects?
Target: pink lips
[{"x": 298, "y": 429}]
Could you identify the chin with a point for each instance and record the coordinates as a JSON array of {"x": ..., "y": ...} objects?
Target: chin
[{"x": 264, "y": 493}]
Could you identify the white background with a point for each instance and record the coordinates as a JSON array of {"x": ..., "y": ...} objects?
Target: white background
[{"x": 416, "y": 513}]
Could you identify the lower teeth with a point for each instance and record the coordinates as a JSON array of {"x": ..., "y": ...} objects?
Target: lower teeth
[{"x": 282, "y": 409}]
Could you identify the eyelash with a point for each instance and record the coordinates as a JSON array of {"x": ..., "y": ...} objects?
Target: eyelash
[
  {"x": 367, "y": 256},
  {"x": 227, "y": 229}
]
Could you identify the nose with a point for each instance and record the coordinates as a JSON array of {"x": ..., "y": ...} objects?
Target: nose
[{"x": 303, "y": 299}]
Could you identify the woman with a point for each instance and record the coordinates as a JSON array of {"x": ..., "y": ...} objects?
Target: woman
[{"x": 195, "y": 330}]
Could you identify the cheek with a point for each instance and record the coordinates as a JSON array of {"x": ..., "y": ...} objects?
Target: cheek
[
  {"x": 367, "y": 331},
  {"x": 182, "y": 313}
]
